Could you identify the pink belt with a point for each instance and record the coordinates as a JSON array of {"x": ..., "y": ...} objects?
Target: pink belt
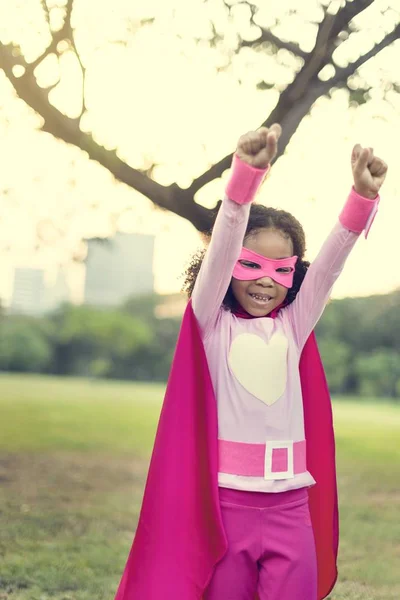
[{"x": 279, "y": 459}]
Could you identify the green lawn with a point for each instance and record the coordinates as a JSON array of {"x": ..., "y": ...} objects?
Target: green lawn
[{"x": 73, "y": 459}]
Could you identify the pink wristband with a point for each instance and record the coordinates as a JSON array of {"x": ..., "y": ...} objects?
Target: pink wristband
[
  {"x": 244, "y": 181},
  {"x": 359, "y": 213}
]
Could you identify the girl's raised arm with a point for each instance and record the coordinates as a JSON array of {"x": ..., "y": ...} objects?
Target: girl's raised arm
[
  {"x": 357, "y": 215},
  {"x": 216, "y": 270},
  {"x": 254, "y": 152}
]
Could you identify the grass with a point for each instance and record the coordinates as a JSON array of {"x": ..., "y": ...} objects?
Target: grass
[{"x": 73, "y": 461}]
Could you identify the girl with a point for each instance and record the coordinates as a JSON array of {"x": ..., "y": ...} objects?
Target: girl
[{"x": 244, "y": 447}]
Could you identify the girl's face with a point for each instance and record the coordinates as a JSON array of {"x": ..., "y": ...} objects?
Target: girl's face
[{"x": 259, "y": 297}]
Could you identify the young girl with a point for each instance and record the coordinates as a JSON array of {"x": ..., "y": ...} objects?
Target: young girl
[{"x": 245, "y": 437}]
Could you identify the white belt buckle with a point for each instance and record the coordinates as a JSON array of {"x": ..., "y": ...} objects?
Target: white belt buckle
[{"x": 269, "y": 448}]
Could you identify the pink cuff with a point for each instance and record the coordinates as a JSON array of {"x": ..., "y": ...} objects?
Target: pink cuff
[
  {"x": 244, "y": 181},
  {"x": 359, "y": 213}
]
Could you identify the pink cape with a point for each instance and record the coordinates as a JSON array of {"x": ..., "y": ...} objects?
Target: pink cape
[{"x": 180, "y": 535}]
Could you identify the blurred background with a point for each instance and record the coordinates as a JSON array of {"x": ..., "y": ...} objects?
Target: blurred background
[{"x": 118, "y": 121}]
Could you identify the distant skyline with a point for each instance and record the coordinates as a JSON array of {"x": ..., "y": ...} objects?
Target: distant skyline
[
  {"x": 29, "y": 291},
  {"x": 34, "y": 294},
  {"x": 119, "y": 269}
]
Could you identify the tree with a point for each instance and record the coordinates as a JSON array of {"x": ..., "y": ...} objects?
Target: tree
[
  {"x": 316, "y": 72},
  {"x": 336, "y": 357},
  {"x": 24, "y": 345},
  {"x": 94, "y": 341},
  {"x": 379, "y": 373}
]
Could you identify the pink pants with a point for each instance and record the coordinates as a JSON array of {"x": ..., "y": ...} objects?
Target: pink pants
[{"x": 271, "y": 548}]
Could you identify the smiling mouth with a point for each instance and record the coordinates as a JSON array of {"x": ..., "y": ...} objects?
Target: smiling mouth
[{"x": 261, "y": 298}]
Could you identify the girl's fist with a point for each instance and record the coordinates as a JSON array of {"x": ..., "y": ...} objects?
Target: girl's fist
[
  {"x": 258, "y": 148},
  {"x": 369, "y": 171}
]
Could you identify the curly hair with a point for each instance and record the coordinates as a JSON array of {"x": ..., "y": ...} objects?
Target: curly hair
[{"x": 261, "y": 217}]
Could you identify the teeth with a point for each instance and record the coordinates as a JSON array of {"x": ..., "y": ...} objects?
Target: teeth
[{"x": 258, "y": 297}]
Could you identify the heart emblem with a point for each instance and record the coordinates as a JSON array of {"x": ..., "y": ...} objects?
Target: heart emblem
[{"x": 259, "y": 366}]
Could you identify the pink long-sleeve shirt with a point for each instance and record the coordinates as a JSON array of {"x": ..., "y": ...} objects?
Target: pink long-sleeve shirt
[{"x": 254, "y": 363}]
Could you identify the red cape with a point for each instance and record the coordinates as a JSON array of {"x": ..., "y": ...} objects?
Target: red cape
[{"x": 180, "y": 535}]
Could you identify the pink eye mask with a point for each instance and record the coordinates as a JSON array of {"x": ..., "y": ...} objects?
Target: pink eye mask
[{"x": 280, "y": 270}]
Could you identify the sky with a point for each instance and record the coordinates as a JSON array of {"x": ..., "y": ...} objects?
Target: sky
[{"x": 158, "y": 97}]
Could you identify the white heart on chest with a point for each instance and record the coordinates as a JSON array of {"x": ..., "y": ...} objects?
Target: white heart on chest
[{"x": 259, "y": 366}]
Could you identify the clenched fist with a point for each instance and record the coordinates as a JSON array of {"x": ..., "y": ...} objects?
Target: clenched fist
[
  {"x": 369, "y": 171},
  {"x": 258, "y": 148}
]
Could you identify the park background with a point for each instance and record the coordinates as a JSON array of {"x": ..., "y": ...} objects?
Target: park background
[{"x": 119, "y": 119}]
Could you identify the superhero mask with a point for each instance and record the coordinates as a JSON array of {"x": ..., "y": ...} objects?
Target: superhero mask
[{"x": 280, "y": 270}]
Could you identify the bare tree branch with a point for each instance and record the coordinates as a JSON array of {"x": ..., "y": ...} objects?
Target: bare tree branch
[
  {"x": 69, "y": 34},
  {"x": 339, "y": 23},
  {"x": 289, "y": 118},
  {"x": 325, "y": 44},
  {"x": 293, "y": 106},
  {"x": 342, "y": 74},
  {"x": 46, "y": 11},
  {"x": 172, "y": 198},
  {"x": 347, "y": 13},
  {"x": 268, "y": 36},
  {"x": 327, "y": 37},
  {"x": 65, "y": 33},
  {"x": 83, "y": 70}
]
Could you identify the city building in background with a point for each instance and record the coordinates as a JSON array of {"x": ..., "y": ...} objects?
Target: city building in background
[
  {"x": 28, "y": 294},
  {"x": 35, "y": 294},
  {"x": 118, "y": 268}
]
